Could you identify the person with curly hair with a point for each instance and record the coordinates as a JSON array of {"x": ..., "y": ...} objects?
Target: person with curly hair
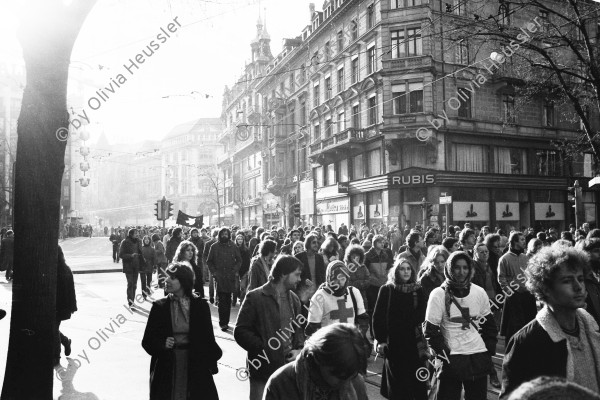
[
  {"x": 563, "y": 339},
  {"x": 359, "y": 273}
]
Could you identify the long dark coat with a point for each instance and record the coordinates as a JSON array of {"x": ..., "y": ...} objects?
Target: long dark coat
[
  {"x": 396, "y": 327},
  {"x": 66, "y": 299},
  {"x": 203, "y": 354}
]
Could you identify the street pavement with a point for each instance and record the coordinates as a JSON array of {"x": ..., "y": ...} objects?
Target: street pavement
[{"x": 107, "y": 360}]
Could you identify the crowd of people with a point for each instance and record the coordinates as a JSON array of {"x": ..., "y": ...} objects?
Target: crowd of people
[{"x": 316, "y": 304}]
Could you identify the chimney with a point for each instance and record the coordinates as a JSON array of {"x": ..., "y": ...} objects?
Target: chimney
[{"x": 311, "y": 7}]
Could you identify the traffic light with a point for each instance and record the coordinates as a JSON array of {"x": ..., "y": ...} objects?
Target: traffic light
[
  {"x": 158, "y": 210},
  {"x": 169, "y": 209},
  {"x": 429, "y": 210},
  {"x": 297, "y": 210},
  {"x": 575, "y": 198}
]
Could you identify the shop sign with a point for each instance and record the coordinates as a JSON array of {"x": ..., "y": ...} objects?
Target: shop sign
[
  {"x": 549, "y": 211},
  {"x": 507, "y": 212},
  {"x": 407, "y": 180},
  {"x": 446, "y": 200},
  {"x": 343, "y": 187},
  {"x": 471, "y": 211},
  {"x": 333, "y": 207}
]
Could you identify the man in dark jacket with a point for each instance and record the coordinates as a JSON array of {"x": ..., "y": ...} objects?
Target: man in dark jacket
[
  {"x": 173, "y": 243},
  {"x": 6, "y": 254},
  {"x": 313, "y": 268},
  {"x": 115, "y": 240},
  {"x": 261, "y": 318},
  {"x": 224, "y": 261},
  {"x": 199, "y": 243},
  {"x": 131, "y": 254}
]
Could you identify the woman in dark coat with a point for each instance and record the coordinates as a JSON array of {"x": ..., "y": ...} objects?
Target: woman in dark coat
[
  {"x": 242, "y": 283},
  {"x": 399, "y": 312},
  {"x": 179, "y": 337},
  {"x": 66, "y": 303}
]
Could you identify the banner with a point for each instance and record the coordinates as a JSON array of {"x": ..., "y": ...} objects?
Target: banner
[{"x": 188, "y": 220}]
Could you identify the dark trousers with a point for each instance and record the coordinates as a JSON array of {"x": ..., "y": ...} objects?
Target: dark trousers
[
  {"x": 131, "y": 286},
  {"x": 116, "y": 253},
  {"x": 450, "y": 389},
  {"x": 224, "y": 307},
  {"x": 211, "y": 286},
  {"x": 146, "y": 278}
]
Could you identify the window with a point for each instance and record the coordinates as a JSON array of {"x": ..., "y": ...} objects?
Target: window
[
  {"x": 356, "y": 116},
  {"x": 331, "y": 174},
  {"x": 373, "y": 110},
  {"x": 340, "y": 80},
  {"x": 548, "y": 114},
  {"x": 374, "y": 162},
  {"x": 328, "y": 128},
  {"x": 317, "y": 132},
  {"x": 354, "y": 68},
  {"x": 303, "y": 113},
  {"x": 327, "y": 88},
  {"x": 504, "y": 12},
  {"x": 341, "y": 121},
  {"x": 469, "y": 158},
  {"x": 508, "y": 103},
  {"x": 371, "y": 60},
  {"x": 510, "y": 161},
  {"x": 354, "y": 29},
  {"x": 410, "y": 47},
  {"x": 407, "y": 103},
  {"x": 327, "y": 51},
  {"x": 343, "y": 171},
  {"x": 464, "y": 109},
  {"x": 461, "y": 53},
  {"x": 370, "y": 16},
  {"x": 319, "y": 176},
  {"x": 316, "y": 95},
  {"x": 405, "y": 3},
  {"x": 302, "y": 74},
  {"x": 358, "y": 167},
  {"x": 292, "y": 82},
  {"x": 548, "y": 162},
  {"x": 340, "y": 41}
]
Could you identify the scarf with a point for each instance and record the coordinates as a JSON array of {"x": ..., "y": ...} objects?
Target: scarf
[
  {"x": 312, "y": 387},
  {"x": 407, "y": 287},
  {"x": 330, "y": 285},
  {"x": 452, "y": 287},
  {"x": 183, "y": 303}
]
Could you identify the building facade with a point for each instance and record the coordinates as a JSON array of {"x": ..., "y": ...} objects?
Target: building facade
[{"x": 376, "y": 111}]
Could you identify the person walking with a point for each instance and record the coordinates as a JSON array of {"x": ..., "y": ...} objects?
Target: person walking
[
  {"x": 66, "y": 304},
  {"x": 267, "y": 310},
  {"x": 563, "y": 339},
  {"x": 314, "y": 268},
  {"x": 431, "y": 274},
  {"x": 161, "y": 260},
  {"x": 130, "y": 252},
  {"x": 397, "y": 318},
  {"x": 459, "y": 327},
  {"x": 260, "y": 269},
  {"x": 115, "y": 240},
  {"x": 180, "y": 339},
  {"x": 147, "y": 268},
  {"x": 224, "y": 261},
  {"x": 173, "y": 244},
  {"x": 187, "y": 254},
  {"x": 7, "y": 254},
  {"x": 378, "y": 263},
  {"x": 240, "y": 242}
]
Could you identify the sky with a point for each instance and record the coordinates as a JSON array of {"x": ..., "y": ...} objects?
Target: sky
[{"x": 206, "y": 53}]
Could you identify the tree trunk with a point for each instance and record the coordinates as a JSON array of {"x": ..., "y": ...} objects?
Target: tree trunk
[{"x": 47, "y": 35}]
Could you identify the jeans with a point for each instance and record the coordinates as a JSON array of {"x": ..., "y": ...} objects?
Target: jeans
[
  {"x": 131, "y": 286},
  {"x": 450, "y": 389},
  {"x": 224, "y": 308},
  {"x": 146, "y": 279},
  {"x": 257, "y": 388}
]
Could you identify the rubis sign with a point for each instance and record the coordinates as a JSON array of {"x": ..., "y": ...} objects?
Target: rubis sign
[{"x": 407, "y": 180}]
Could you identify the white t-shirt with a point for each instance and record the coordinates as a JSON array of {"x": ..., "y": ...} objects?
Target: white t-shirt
[
  {"x": 459, "y": 340},
  {"x": 327, "y": 309}
]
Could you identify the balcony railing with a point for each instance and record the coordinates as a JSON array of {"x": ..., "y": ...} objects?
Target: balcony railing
[{"x": 345, "y": 137}]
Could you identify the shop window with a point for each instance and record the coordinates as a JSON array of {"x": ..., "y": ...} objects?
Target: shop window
[
  {"x": 374, "y": 162},
  {"x": 358, "y": 167},
  {"x": 469, "y": 158},
  {"x": 510, "y": 161},
  {"x": 549, "y": 163}
]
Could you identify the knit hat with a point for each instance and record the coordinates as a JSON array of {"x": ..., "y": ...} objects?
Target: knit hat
[{"x": 552, "y": 388}]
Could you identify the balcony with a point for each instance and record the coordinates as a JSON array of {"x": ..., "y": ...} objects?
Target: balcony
[
  {"x": 343, "y": 140},
  {"x": 276, "y": 185}
]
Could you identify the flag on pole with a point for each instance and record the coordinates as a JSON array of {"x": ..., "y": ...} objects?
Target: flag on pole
[{"x": 188, "y": 220}]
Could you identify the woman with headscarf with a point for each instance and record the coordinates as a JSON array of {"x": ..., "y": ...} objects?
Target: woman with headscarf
[
  {"x": 431, "y": 274},
  {"x": 187, "y": 253},
  {"x": 399, "y": 312},
  {"x": 179, "y": 336},
  {"x": 459, "y": 327},
  {"x": 336, "y": 301}
]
